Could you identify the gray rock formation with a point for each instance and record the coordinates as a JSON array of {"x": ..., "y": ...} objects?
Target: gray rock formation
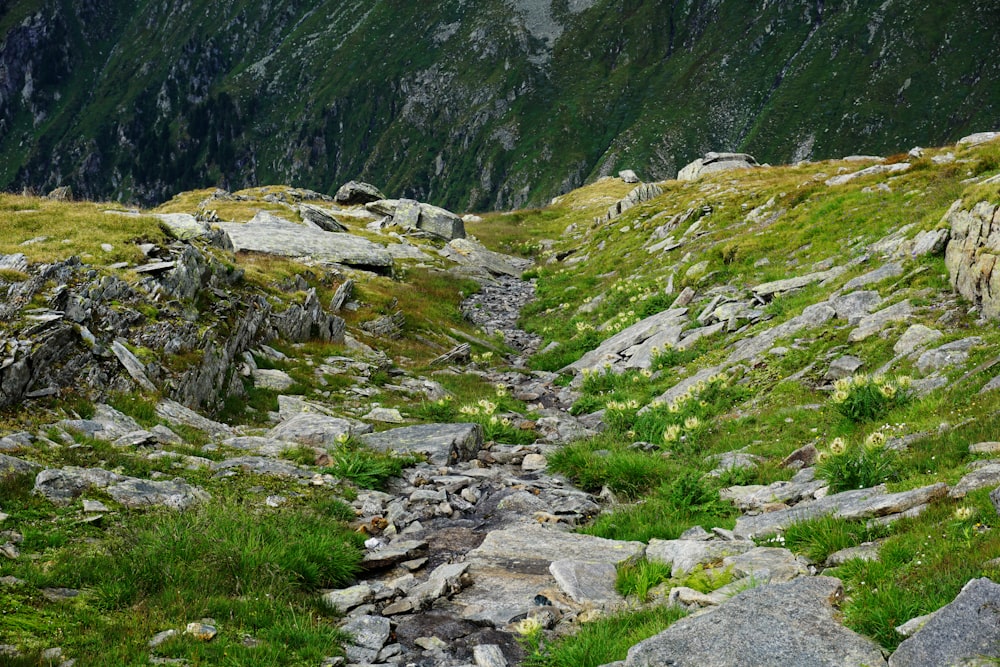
[
  {"x": 965, "y": 632},
  {"x": 442, "y": 444},
  {"x": 287, "y": 239},
  {"x": 792, "y": 623},
  {"x": 356, "y": 192},
  {"x": 971, "y": 254},
  {"x": 714, "y": 163}
]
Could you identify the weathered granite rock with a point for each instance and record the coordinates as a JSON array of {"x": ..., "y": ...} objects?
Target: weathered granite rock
[
  {"x": 767, "y": 290},
  {"x": 716, "y": 162},
  {"x": 977, "y": 138},
  {"x": 444, "y": 581},
  {"x": 288, "y": 239},
  {"x": 11, "y": 466},
  {"x": 793, "y": 623},
  {"x": 262, "y": 465},
  {"x": 175, "y": 413},
  {"x": 440, "y": 223},
  {"x": 63, "y": 485},
  {"x": 175, "y": 494},
  {"x": 368, "y": 635},
  {"x": 915, "y": 337},
  {"x": 346, "y": 599},
  {"x": 312, "y": 429},
  {"x": 470, "y": 253},
  {"x": 657, "y": 330},
  {"x": 874, "y": 170},
  {"x": 628, "y": 176},
  {"x": 950, "y": 354},
  {"x": 685, "y": 555},
  {"x": 853, "y": 306},
  {"x": 770, "y": 564},
  {"x": 441, "y": 443},
  {"x": 357, "y": 192},
  {"x": 980, "y": 478},
  {"x": 971, "y": 255},
  {"x": 874, "y": 323},
  {"x": 890, "y": 270},
  {"x": 587, "y": 583},
  {"x": 842, "y": 367},
  {"x": 272, "y": 378},
  {"x": 865, "y": 551},
  {"x": 321, "y": 218},
  {"x": 964, "y": 632},
  {"x": 812, "y": 316},
  {"x": 639, "y": 194},
  {"x": 856, "y": 504},
  {"x": 183, "y": 226},
  {"x": 393, "y": 553}
]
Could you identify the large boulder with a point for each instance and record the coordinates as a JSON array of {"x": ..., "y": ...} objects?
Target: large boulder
[
  {"x": 716, "y": 162},
  {"x": 971, "y": 254},
  {"x": 356, "y": 192},
  {"x": 792, "y": 623},
  {"x": 443, "y": 444}
]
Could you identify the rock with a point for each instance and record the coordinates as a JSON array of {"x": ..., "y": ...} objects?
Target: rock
[
  {"x": 346, "y": 599},
  {"x": 368, "y": 635},
  {"x": 770, "y": 564},
  {"x": 636, "y": 341},
  {"x": 590, "y": 584},
  {"x": 964, "y": 632},
  {"x": 94, "y": 506},
  {"x": 320, "y": 218},
  {"x": 137, "y": 493},
  {"x": 62, "y": 485},
  {"x": 443, "y": 444},
  {"x": 977, "y": 138},
  {"x": 628, "y": 176},
  {"x": 311, "y": 429},
  {"x": 534, "y": 462},
  {"x": 865, "y": 551},
  {"x": 260, "y": 465},
  {"x": 989, "y": 447},
  {"x": 950, "y": 354},
  {"x": 912, "y": 626},
  {"x": 842, "y": 367},
  {"x": 11, "y": 466},
  {"x": 890, "y": 270},
  {"x": 792, "y": 623},
  {"x": 748, "y": 348},
  {"x": 802, "y": 457},
  {"x": 343, "y": 294},
  {"x": 357, "y": 192},
  {"x": 201, "y": 631},
  {"x": 175, "y": 413},
  {"x": 856, "y": 504},
  {"x": 872, "y": 324},
  {"x": 686, "y": 555},
  {"x": 488, "y": 655},
  {"x": 384, "y": 415},
  {"x": 287, "y": 239},
  {"x": 714, "y": 163},
  {"x": 874, "y": 170},
  {"x": 931, "y": 242},
  {"x": 393, "y": 553},
  {"x": 183, "y": 226},
  {"x": 470, "y": 253},
  {"x": 971, "y": 254},
  {"x": 161, "y": 637},
  {"x": 853, "y": 306},
  {"x": 980, "y": 478},
  {"x": 62, "y": 193},
  {"x": 639, "y": 194},
  {"x": 15, "y": 262},
  {"x": 766, "y": 290},
  {"x": 268, "y": 378},
  {"x": 440, "y": 223},
  {"x": 915, "y": 337},
  {"x": 444, "y": 581}
]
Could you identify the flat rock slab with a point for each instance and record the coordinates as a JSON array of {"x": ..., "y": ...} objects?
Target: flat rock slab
[
  {"x": 443, "y": 444},
  {"x": 528, "y": 547},
  {"x": 587, "y": 583},
  {"x": 311, "y": 429},
  {"x": 287, "y": 239},
  {"x": 666, "y": 325},
  {"x": 872, "y": 324},
  {"x": 262, "y": 465},
  {"x": 980, "y": 478},
  {"x": 792, "y": 623},
  {"x": 965, "y": 632},
  {"x": 777, "y": 286},
  {"x": 884, "y": 272},
  {"x": 396, "y": 552},
  {"x": 183, "y": 226},
  {"x": 469, "y": 253},
  {"x": 857, "y": 504},
  {"x": 175, "y": 494},
  {"x": 175, "y": 413},
  {"x": 11, "y": 466},
  {"x": 771, "y": 564},
  {"x": 685, "y": 555}
]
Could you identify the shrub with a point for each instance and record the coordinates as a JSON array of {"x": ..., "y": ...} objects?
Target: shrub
[{"x": 858, "y": 466}]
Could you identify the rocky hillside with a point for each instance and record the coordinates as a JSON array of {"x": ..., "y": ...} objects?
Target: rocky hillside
[
  {"x": 484, "y": 105},
  {"x": 741, "y": 418}
]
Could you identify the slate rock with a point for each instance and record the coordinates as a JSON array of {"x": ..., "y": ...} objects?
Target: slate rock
[
  {"x": 980, "y": 478},
  {"x": 964, "y": 632},
  {"x": 855, "y": 305},
  {"x": 11, "y": 466},
  {"x": 443, "y": 444},
  {"x": 175, "y": 413},
  {"x": 771, "y": 564},
  {"x": 865, "y": 551},
  {"x": 470, "y": 253},
  {"x": 270, "y": 378},
  {"x": 793, "y": 623},
  {"x": 62, "y": 485},
  {"x": 872, "y": 324},
  {"x": 766, "y": 290},
  {"x": 346, "y": 599},
  {"x": 842, "y": 367},
  {"x": 950, "y": 354},
  {"x": 393, "y": 553},
  {"x": 587, "y": 583},
  {"x": 288, "y": 239},
  {"x": 685, "y": 555},
  {"x": 884, "y": 272},
  {"x": 175, "y": 494}
]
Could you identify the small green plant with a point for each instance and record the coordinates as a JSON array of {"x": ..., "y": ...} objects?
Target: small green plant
[
  {"x": 861, "y": 398},
  {"x": 818, "y": 538},
  {"x": 858, "y": 466},
  {"x": 639, "y": 577},
  {"x": 496, "y": 427},
  {"x": 706, "y": 580},
  {"x": 364, "y": 466}
]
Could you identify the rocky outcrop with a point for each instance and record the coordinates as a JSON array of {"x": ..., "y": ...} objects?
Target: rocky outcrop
[
  {"x": 971, "y": 254},
  {"x": 355, "y": 192},
  {"x": 412, "y": 215},
  {"x": 714, "y": 163}
]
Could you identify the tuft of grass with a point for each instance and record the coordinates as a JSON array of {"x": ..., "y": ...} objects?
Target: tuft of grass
[
  {"x": 639, "y": 577},
  {"x": 364, "y": 466},
  {"x": 817, "y": 538}
]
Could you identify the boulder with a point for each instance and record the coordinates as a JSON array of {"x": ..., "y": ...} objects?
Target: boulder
[
  {"x": 628, "y": 176},
  {"x": 470, "y": 253},
  {"x": 443, "y": 444},
  {"x": 971, "y": 254},
  {"x": 321, "y": 218},
  {"x": 965, "y": 632},
  {"x": 312, "y": 429},
  {"x": 183, "y": 226},
  {"x": 915, "y": 337},
  {"x": 884, "y": 272},
  {"x": 685, "y": 555},
  {"x": 356, "y": 192},
  {"x": 978, "y": 138},
  {"x": 175, "y": 494},
  {"x": 287, "y": 239},
  {"x": 714, "y": 163},
  {"x": 793, "y": 623},
  {"x": 874, "y": 170},
  {"x": 950, "y": 354}
]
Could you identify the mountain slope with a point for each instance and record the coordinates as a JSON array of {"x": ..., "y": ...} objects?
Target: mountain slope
[{"x": 472, "y": 105}]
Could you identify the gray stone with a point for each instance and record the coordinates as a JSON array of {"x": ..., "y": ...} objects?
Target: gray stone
[
  {"x": 312, "y": 429},
  {"x": 971, "y": 255},
  {"x": 977, "y": 138},
  {"x": 288, "y": 239},
  {"x": 321, "y": 218},
  {"x": 930, "y": 242},
  {"x": 183, "y": 226},
  {"x": 855, "y": 305},
  {"x": 842, "y": 367},
  {"x": 534, "y": 462},
  {"x": 948, "y": 355},
  {"x": 393, "y": 553},
  {"x": 440, "y": 223},
  {"x": 444, "y": 581},
  {"x": 443, "y": 444},
  {"x": 15, "y": 262},
  {"x": 369, "y": 634},
  {"x": 812, "y": 316},
  {"x": 866, "y": 551},
  {"x": 590, "y": 584},
  {"x": 916, "y": 336},
  {"x": 857, "y": 504},
  {"x": 470, "y": 253},
  {"x": 771, "y": 564},
  {"x": 713, "y": 163},
  {"x": 980, "y": 478},
  {"x": 260, "y": 465},
  {"x": 259, "y": 445},
  {"x": 62, "y": 485},
  {"x": 766, "y": 290},
  {"x": 686, "y": 555},
  {"x": 989, "y": 447},
  {"x": 271, "y": 378},
  {"x": 346, "y": 599},
  {"x": 912, "y": 626},
  {"x": 793, "y": 623},
  {"x": 890, "y": 270},
  {"x": 11, "y": 466},
  {"x": 175, "y": 494},
  {"x": 964, "y": 632},
  {"x": 488, "y": 655},
  {"x": 175, "y": 413},
  {"x": 628, "y": 176},
  {"x": 539, "y": 544},
  {"x": 657, "y": 330},
  {"x": 357, "y": 192},
  {"x": 874, "y": 323},
  {"x": 874, "y": 170},
  {"x": 384, "y": 415}
]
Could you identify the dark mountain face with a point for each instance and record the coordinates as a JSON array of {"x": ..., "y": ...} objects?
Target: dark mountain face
[{"x": 485, "y": 104}]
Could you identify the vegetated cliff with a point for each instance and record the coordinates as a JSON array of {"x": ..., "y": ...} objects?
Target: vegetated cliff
[{"x": 471, "y": 105}]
